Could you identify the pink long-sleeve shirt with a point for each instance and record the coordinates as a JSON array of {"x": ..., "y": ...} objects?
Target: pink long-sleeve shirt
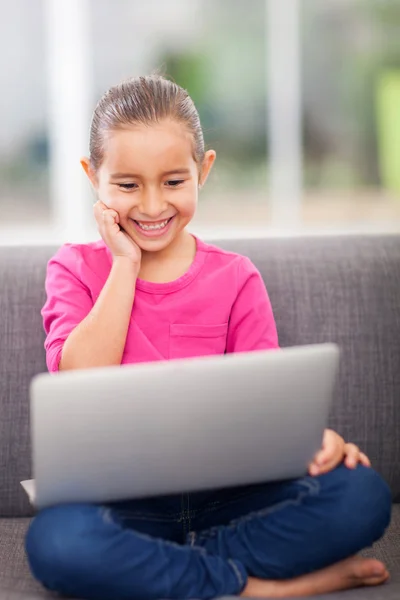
[{"x": 219, "y": 305}]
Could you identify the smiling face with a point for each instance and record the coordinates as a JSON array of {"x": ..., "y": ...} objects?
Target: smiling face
[{"x": 150, "y": 177}]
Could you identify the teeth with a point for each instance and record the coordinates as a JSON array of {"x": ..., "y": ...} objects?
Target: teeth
[{"x": 153, "y": 227}]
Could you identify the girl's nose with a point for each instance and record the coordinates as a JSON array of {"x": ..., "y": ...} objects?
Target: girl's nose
[{"x": 152, "y": 205}]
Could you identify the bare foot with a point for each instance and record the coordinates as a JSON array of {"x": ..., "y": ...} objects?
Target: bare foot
[{"x": 350, "y": 573}]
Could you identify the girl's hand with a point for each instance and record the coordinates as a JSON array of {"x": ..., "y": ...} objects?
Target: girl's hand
[
  {"x": 120, "y": 244},
  {"x": 334, "y": 450}
]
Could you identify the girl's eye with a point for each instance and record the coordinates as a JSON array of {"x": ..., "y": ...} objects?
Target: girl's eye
[
  {"x": 174, "y": 182},
  {"x": 127, "y": 186}
]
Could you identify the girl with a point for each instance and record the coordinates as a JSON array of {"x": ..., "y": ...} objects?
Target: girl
[{"x": 149, "y": 291}]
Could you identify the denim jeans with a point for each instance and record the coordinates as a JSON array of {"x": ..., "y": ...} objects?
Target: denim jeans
[{"x": 206, "y": 544}]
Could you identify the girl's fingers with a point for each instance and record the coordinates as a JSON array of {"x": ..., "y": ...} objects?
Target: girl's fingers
[
  {"x": 101, "y": 205},
  {"x": 321, "y": 457},
  {"x": 332, "y": 455},
  {"x": 108, "y": 218},
  {"x": 330, "y": 448},
  {"x": 352, "y": 453},
  {"x": 100, "y": 208},
  {"x": 333, "y": 446},
  {"x": 315, "y": 469},
  {"x": 98, "y": 212},
  {"x": 329, "y": 456},
  {"x": 105, "y": 214},
  {"x": 109, "y": 212},
  {"x": 364, "y": 460}
]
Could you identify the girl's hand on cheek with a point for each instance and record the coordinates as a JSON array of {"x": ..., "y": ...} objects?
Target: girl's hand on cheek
[{"x": 119, "y": 243}]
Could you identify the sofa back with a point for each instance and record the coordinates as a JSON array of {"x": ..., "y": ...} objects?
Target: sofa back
[{"x": 323, "y": 289}]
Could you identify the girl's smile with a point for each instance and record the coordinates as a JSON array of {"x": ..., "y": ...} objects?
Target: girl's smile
[{"x": 153, "y": 228}]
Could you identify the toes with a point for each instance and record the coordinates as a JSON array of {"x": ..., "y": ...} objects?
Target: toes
[
  {"x": 370, "y": 571},
  {"x": 376, "y": 580}
]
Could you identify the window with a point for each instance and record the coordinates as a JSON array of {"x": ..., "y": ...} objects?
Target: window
[
  {"x": 24, "y": 192},
  {"x": 300, "y": 105}
]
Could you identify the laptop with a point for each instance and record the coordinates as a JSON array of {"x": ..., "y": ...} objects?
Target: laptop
[{"x": 135, "y": 431}]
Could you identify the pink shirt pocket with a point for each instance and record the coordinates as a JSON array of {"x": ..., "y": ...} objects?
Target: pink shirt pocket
[{"x": 197, "y": 340}]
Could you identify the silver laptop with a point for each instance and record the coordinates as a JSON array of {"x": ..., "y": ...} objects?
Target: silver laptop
[{"x": 143, "y": 430}]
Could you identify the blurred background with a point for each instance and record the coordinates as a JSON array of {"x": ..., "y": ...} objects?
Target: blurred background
[{"x": 300, "y": 99}]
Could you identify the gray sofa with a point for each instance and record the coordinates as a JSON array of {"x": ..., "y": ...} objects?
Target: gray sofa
[{"x": 341, "y": 289}]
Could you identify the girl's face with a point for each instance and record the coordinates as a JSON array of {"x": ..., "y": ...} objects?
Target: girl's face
[{"x": 149, "y": 176}]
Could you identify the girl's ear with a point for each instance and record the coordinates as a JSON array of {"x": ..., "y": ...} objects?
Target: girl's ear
[
  {"x": 87, "y": 167},
  {"x": 206, "y": 166}
]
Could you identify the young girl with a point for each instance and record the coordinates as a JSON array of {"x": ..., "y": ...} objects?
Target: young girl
[{"x": 148, "y": 291}]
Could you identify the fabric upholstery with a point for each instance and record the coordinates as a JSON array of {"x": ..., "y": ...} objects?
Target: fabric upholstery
[{"x": 22, "y": 273}]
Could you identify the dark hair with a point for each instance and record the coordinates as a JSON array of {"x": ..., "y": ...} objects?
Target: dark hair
[{"x": 143, "y": 100}]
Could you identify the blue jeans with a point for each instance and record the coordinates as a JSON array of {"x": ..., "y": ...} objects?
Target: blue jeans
[{"x": 206, "y": 544}]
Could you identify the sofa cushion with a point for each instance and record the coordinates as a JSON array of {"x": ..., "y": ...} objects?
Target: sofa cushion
[{"x": 22, "y": 274}]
